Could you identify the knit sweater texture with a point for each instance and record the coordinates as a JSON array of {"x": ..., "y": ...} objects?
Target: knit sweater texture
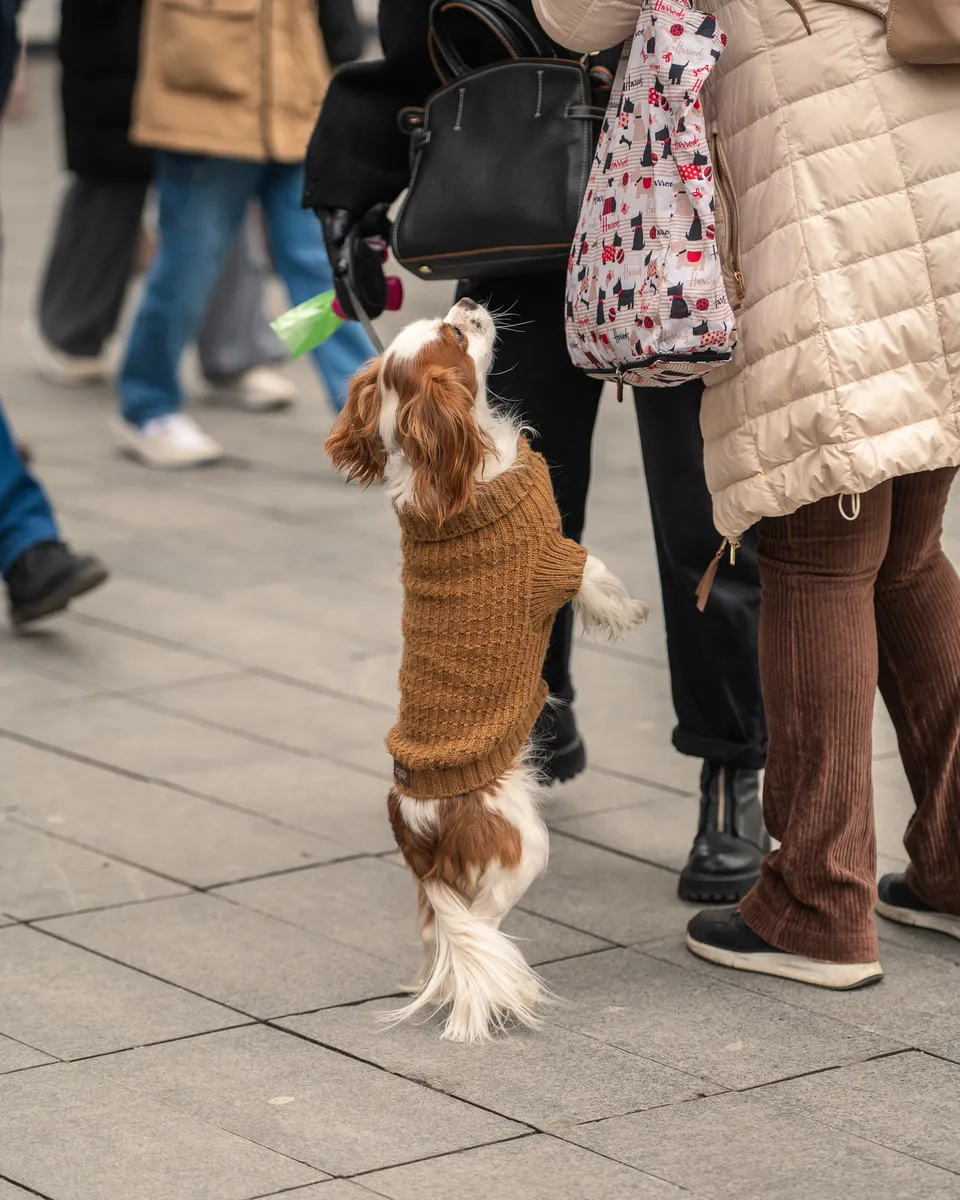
[{"x": 479, "y": 596}]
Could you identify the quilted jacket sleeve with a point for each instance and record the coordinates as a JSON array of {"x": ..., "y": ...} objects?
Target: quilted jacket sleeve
[{"x": 588, "y": 25}]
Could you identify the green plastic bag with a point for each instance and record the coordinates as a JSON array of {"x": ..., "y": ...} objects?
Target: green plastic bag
[{"x": 307, "y": 325}]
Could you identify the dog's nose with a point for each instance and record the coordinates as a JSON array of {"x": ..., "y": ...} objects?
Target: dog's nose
[{"x": 467, "y": 303}]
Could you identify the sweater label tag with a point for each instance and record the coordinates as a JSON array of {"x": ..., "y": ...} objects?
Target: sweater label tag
[{"x": 401, "y": 774}]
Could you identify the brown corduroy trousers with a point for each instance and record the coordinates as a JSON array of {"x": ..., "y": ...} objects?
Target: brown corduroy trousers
[{"x": 848, "y": 605}]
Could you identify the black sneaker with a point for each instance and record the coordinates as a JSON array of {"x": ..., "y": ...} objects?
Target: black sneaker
[
  {"x": 45, "y": 578},
  {"x": 561, "y": 751},
  {"x": 731, "y": 840},
  {"x": 721, "y": 936},
  {"x": 898, "y": 902}
]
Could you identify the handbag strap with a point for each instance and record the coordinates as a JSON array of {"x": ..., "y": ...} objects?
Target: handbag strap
[{"x": 518, "y": 36}]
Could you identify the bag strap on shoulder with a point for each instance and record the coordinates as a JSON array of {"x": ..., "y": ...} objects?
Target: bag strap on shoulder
[{"x": 518, "y": 36}]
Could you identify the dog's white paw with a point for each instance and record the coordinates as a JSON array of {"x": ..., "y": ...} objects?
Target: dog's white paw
[{"x": 603, "y": 603}]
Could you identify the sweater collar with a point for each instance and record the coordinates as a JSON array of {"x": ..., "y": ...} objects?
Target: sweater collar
[{"x": 493, "y": 501}]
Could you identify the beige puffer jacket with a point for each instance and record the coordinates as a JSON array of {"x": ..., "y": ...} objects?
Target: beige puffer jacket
[
  {"x": 839, "y": 172},
  {"x": 235, "y": 78}
]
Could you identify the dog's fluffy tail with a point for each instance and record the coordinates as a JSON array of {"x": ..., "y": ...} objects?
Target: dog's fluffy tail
[{"x": 477, "y": 970}]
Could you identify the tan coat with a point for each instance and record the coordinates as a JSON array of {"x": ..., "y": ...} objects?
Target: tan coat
[
  {"x": 843, "y": 168},
  {"x": 236, "y": 78}
]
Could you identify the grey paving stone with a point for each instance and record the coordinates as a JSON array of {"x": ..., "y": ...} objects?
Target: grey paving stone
[
  {"x": 24, "y": 687},
  {"x": 598, "y": 792},
  {"x": 300, "y": 1099},
  {"x": 306, "y": 721},
  {"x": 9, "y": 1192},
  {"x": 918, "y": 1003},
  {"x": 275, "y": 627},
  {"x": 907, "y": 1102},
  {"x": 160, "y": 828},
  {"x": 551, "y": 1079},
  {"x": 111, "y": 1141},
  {"x": 121, "y": 733},
  {"x": 229, "y": 953},
  {"x": 69, "y": 1003},
  {"x": 537, "y": 1168},
  {"x": 626, "y": 715},
  {"x": 101, "y": 659},
  {"x": 655, "y": 826},
  {"x": 42, "y": 876},
  {"x": 14, "y": 1056},
  {"x": 346, "y": 806},
  {"x": 748, "y": 1148},
  {"x": 918, "y": 941},
  {"x": 371, "y": 905},
  {"x": 893, "y": 803},
  {"x": 335, "y": 1189},
  {"x": 607, "y": 894},
  {"x": 702, "y": 1026}
]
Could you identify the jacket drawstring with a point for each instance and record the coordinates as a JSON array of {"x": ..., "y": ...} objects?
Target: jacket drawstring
[
  {"x": 854, "y": 507},
  {"x": 797, "y": 6}
]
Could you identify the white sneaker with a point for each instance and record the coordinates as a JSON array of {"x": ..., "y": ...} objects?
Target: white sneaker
[
  {"x": 260, "y": 389},
  {"x": 67, "y": 370},
  {"x": 175, "y": 440}
]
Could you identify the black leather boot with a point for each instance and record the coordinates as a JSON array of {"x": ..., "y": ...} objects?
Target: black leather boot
[
  {"x": 561, "y": 752},
  {"x": 45, "y": 578},
  {"x": 731, "y": 841}
]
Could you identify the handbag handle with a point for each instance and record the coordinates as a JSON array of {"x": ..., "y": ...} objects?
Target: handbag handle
[{"x": 516, "y": 34}]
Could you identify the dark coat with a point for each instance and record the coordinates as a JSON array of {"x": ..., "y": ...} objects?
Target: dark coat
[
  {"x": 9, "y": 46},
  {"x": 99, "y": 49},
  {"x": 357, "y": 156}
]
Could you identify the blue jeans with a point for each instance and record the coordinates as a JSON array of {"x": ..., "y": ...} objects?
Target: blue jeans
[
  {"x": 202, "y": 203},
  {"x": 26, "y": 517}
]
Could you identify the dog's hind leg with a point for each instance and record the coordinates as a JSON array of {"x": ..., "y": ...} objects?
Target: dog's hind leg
[{"x": 490, "y": 846}]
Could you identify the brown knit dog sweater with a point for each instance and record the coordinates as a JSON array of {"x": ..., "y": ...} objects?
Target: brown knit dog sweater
[{"x": 479, "y": 596}]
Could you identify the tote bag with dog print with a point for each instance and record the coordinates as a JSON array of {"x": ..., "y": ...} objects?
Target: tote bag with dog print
[{"x": 645, "y": 301}]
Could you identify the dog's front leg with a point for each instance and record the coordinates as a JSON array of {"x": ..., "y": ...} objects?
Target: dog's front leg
[{"x": 603, "y": 603}]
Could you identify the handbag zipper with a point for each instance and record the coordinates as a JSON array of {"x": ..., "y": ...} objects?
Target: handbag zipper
[{"x": 731, "y": 217}]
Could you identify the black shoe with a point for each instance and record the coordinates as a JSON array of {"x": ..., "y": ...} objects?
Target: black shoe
[
  {"x": 898, "y": 902},
  {"x": 731, "y": 840},
  {"x": 721, "y": 936},
  {"x": 561, "y": 749},
  {"x": 45, "y": 578}
]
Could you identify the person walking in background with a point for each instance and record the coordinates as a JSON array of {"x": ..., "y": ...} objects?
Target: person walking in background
[
  {"x": 227, "y": 98},
  {"x": 358, "y": 159},
  {"x": 41, "y": 574},
  {"x": 836, "y": 427},
  {"x": 98, "y": 233}
]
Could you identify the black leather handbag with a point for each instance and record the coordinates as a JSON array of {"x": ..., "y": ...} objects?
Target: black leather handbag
[{"x": 501, "y": 153}]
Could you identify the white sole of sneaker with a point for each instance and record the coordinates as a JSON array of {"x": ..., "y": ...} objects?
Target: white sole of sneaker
[
  {"x": 937, "y": 921},
  {"x": 838, "y": 976},
  {"x": 133, "y": 444}
]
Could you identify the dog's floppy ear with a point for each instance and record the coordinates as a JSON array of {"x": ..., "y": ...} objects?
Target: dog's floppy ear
[
  {"x": 442, "y": 442},
  {"x": 354, "y": 444}
]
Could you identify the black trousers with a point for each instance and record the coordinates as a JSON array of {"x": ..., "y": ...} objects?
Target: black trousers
[{"x": 714, "y": 675}]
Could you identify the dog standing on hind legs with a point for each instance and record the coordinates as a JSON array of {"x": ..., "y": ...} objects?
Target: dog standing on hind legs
[{"x": 485, "y": 570}]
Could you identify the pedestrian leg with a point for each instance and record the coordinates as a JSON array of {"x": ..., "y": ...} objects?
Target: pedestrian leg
[
  {"x": 818, "y": 663},
  {"x": 90, "y": 265},
  {"x": 26, "y": 515},
  {"x": 301, "y": 258},
  {"x": 918, "y": 629},
  {"x": 202, "y": 202},
  {"x": 235, "y": 335}
]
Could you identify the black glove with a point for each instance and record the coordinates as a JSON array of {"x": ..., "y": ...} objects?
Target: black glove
[{"x": 356, "y": 246}]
